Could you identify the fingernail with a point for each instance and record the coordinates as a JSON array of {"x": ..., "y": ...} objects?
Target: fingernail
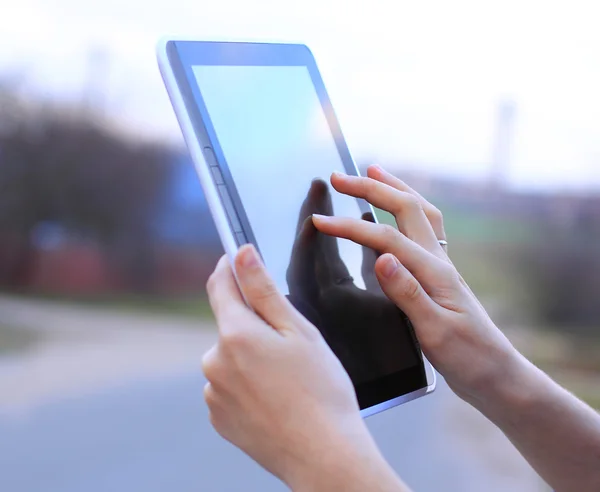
[
  {"x": 338, "y": 174},
  {"x": 320, "y": 218},
  {"x": 249, "y": 257},
  {"x": 390, "y": 266}
]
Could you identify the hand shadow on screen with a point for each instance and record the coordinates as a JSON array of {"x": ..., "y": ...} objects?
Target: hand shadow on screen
[{"x": 366, "y": 331}]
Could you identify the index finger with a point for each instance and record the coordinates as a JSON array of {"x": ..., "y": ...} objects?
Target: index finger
[
  {"x": 425, "y": 266},
  {"x": 368, "y": 264},
  {"x": 433, "y": 214},
  {"x": 406, "y": 208}
]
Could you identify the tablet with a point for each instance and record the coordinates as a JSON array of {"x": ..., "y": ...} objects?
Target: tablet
[{"x": 264, "y": 138}]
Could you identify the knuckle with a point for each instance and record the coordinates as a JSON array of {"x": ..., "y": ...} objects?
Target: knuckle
[
  {"x": 212, "y": 417},
  {"x": 445, "y": 327},
  {"x": 435, "y": 216},
  {"x": 263, "y": 290},
  {"x": 448, "y": 293},
  {"x": 435, "y": 213},
  {"x": 448, "y": 273},
  {"x": 454, "y": 278},
  {"x": 412, "y": 201},
  {"x": 217, "y": 420},
  {"x": 209, "y": 395},
  {"x": 389, "y": 234},
  {"x": 407, "y": 200},
  {"x": 211, "y": 284},
  {"x": 235, "y": 340},
  {"x": 311, "y": 332},
  {"x": 447, "y": 299},
  {"x": 438, "y": 340},
  {"x": 209, "y": 368},
  {"x": 368, "y": 186},
  {"x": 410, "y": 288},
  {"x": 406, "y": 204}
]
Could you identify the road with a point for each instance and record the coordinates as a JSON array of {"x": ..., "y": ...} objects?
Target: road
[{"x": 114, "y": 403}]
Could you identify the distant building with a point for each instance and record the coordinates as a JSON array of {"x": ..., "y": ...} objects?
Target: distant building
[
  {"x": 178, "y": 256},
  {"x": 184, "y": 218},
  {"x": 502, "y": 144}
]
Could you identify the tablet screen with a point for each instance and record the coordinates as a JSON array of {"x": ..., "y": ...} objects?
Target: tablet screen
[
  {"x": 280, "y": 152},
  {"x": 276, "y": 140}
]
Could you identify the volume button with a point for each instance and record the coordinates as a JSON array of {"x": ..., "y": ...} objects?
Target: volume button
[
  {"x": 217, "y": 176},
  {"x": 241, "y": 239},
  {"x": 209, "y": 156},
  {"x": 211, "y": 160},
  {"x": 229, "y": 209}
]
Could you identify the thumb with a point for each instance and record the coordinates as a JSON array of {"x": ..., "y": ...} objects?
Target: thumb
[
  {"x": 404, "y": 290},
  {"x": 260, "y": 290}
]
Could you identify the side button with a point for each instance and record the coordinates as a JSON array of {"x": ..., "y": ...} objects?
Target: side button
[
  {"x": 241, "y": 239},
  {"x": 228, "y": 204},
  {"x": 217, "y": 176},
  {"x": 209, "y": 155}
]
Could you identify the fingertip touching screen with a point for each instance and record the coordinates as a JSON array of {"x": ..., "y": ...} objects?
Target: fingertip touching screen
[{"x": 274, "y": 141}]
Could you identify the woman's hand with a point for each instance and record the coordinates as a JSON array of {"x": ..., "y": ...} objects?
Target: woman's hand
[
  {"x": 278, "y": 392},
  {"x": 558, "y": 434},
  {"x": 414, "y": 271},
  {"x": 322, "y": 289}
]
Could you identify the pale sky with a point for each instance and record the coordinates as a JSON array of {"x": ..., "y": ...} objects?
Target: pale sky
[{"x": 411, "y": 81}]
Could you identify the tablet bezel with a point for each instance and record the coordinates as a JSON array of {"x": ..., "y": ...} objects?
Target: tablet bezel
[{"x": 177, "y": 59}]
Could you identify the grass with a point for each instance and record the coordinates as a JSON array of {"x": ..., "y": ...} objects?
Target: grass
[
  {"x": 187, "y": 306},
  {"x": 593, "y": 400},
  {"x": 571, "y": 361},
  {"x": 17, "y": 340},
  {"x": 197, "y": 307},
  {"x": 486, "y": 251},
  {"x": 586, "y": 391},
  {"x": 473, "y": 227}
]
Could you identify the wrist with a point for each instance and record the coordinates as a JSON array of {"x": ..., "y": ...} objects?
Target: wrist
[
  {"x": 514, "y": 388},
  {"x": 346, "y": 459}
]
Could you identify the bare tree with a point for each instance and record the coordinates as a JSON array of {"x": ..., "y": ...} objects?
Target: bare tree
[{"x": 65, "y": 169}]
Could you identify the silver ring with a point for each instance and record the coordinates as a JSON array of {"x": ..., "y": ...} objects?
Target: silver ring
[{"x": 443, "y": 243}]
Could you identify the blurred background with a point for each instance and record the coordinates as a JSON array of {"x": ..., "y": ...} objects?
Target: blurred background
[{"x": 489, "y": 109}]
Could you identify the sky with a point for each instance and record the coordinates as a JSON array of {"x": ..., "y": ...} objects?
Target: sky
[{"x": 414, "y": 83}]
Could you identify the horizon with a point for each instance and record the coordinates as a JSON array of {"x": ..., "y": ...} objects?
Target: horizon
[{"x": 401, "y": 95}]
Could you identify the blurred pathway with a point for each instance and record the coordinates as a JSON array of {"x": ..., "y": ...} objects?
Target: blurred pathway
[
  {"x": 113, "y": 402},
  {"x": 84, "y": 349}
]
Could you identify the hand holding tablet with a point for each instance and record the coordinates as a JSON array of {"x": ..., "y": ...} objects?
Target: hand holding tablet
[
  {"x": 277, "y": 391},
  {"x": 363, "y": 328},
  {"x": 454, "y": 330},
  {"x": 322, "y": 328},
  {"x": 260, "y": 128}
]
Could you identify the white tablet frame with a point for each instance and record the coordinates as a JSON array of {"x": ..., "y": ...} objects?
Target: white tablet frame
[{"x": 217, "y": 208}]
